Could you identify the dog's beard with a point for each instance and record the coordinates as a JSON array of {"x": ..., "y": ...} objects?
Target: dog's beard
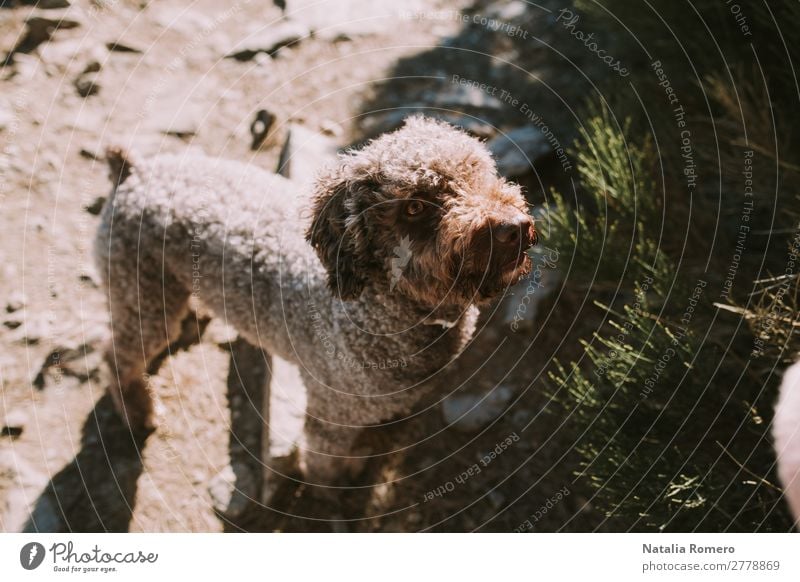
[{"x": 433, "y": 279}]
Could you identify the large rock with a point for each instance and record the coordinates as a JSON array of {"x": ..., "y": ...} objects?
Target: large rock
[{"x": 518, "y": 149}]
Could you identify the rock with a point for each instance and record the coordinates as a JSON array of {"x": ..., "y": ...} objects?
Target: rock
[
  {"x": 86, "y": 84},
  {"x": 91, "y": 277},
  {"x": 91, "y": 153},
  {"x": 13, "y": 424},
  {"x": 260, "y": 127},
  {"x": 96, "y": 206},
  {"x": 517, "y": 150},
  {"x": 122, "y": 46},
  {"x": 16, "y": 301},
  {"x": 268, "y": 40},
  {"x": 41, "y": 25},
  {"x": 457, "y": 96},
  {"x": 304, "y": 153},
  {"x": 471, "y": 412}
]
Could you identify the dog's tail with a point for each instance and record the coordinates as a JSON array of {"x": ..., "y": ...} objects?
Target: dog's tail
[{"x": 120, "y": 164}]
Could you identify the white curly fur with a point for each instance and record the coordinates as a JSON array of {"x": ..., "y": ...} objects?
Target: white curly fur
[{"x": 786, "y": 432}]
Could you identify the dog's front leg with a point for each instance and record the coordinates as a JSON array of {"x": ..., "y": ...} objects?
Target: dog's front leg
[{"x": 328, "y": 459}]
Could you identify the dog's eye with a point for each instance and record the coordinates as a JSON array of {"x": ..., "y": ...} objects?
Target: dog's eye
[{"x": 414, "y": 207}]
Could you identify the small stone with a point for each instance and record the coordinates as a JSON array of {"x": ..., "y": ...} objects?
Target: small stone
[
  {"x": 268, "y": 40},
  {"x": 96, "y": 207},
  {"x": 86, "y": 84},
  {"x": 472, "y": 412},
  {"x": 13, "y": 424},
  {"x": 517, "y": 150},
  {"x": 90, "y": 277},
  {"x": 16, "y": 301},
  {"x": 41, "y": 25},
  {"x": 91, "y": 154},
  {"x": 331, "y": 128},
  {"x": 262, "y": 59},
  {"x": 119, "y": 46},
  {"x": 260, "y": 127}
]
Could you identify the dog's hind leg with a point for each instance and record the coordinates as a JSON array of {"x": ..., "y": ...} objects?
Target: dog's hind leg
[{"x": 146, "y": 315}]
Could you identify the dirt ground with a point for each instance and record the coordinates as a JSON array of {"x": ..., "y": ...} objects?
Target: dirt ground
[{"x": 163, "y": 83}]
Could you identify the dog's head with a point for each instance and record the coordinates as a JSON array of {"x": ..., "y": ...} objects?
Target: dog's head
[{"x": 422, "y": 210}]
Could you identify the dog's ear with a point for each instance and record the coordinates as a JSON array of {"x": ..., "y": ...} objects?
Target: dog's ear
[{"x": 336, "y": 232}]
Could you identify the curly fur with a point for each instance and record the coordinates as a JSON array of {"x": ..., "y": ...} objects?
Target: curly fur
[
  {"x": 315, "y": 279},
  {"x": 786, "y": 432}
]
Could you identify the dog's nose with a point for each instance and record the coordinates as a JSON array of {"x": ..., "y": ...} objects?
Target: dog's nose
[{"x": 517, "y": 231}]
